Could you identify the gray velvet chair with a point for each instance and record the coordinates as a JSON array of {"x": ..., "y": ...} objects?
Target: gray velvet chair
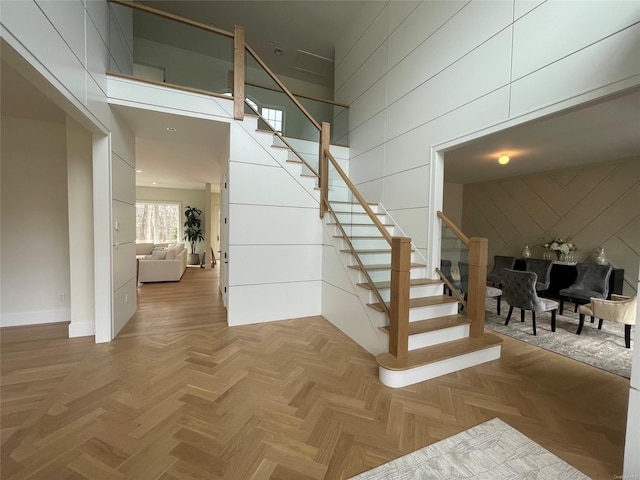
[
  {"x": 542, "y": 269},
  {"x": 445, "y": 268},
  {"x": 592, "y": 281},
  {"x": 500, "y": 262},
  {"x": 490, "y": 292},
  {"x": 519, "y": 291}
]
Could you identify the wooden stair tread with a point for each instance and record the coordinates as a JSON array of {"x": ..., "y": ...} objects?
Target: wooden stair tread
[
  {"x": 437, "y": 353},
  {"x": 413, "y": 282},
  {"x": 362, "y": 237},
  {"x": 383, "y": 266},
  {"x": 421, "y": 302},
  {"x": 433, "y": 324}
]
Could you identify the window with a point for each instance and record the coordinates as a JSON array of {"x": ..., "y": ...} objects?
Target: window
[
  {"x": 274, "y": 117},
  {"x": 158, "y": 222}
]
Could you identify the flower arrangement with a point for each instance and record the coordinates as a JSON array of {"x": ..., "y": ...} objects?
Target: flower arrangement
[{"x": 560, "y": 246}]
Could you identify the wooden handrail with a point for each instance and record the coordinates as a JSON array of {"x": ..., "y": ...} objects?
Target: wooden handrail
[
  {"x": 301, "y": 95},
  {"x": 452, "y": 226},
  {"x": 238, "y": 72},
  {"x": 170, "y": 16},
  {"x": 281, "y": 85},
  {"x": 359, "y": 197}
]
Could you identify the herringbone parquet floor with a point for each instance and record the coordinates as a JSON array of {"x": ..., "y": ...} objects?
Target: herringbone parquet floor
[{"x": 178, "y": 396}]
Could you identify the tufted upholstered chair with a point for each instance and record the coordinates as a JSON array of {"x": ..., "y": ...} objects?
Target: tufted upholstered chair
[
  {"x": 520, "y": 291},
  {"x": 592, "y": 282},
  {"x": 500, "y": 262},
  {"x": 542, "y": 269},
  {"x": 620, "y": 309}
]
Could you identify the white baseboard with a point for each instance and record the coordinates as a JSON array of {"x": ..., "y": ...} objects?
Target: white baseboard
[
  {"x": 82, "y": 329},
  {"x": 20, "y": 319}
]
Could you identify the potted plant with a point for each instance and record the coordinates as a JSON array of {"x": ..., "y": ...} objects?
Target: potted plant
[{"x": 193, "y": 232}]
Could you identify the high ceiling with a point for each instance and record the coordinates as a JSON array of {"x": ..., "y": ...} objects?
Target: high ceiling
[
  {"x": 192, "y": 155},
  {"x": 304, "y": 32}
]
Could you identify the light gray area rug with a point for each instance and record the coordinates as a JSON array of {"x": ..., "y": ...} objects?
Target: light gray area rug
[
  {"x": 489, "y": 451},
  {"x": 603, "y": 349}
]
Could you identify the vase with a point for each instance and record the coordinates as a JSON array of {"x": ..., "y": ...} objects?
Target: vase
[
  {"x": 526, "y": 253},
  {"x": 601, "y": 259}
]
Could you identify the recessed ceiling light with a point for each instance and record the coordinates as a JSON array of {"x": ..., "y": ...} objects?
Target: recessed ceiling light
[
  {"x": 138, "y": 171},
  {"x": 153, "y": 183},
  {"x": 504, "y": 159},
  {"x": 171, "y": 129}
]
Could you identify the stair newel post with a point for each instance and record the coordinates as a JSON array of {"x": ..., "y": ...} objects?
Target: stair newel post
[
  {"x": 238, "y": 72},
  {"x": 478, "y": 253},
  {"x": 323, "y": 167},
  {"x": 399, "y": 305}
]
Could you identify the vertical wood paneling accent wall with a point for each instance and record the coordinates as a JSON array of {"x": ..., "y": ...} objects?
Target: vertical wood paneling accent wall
[{"x": 594, "y": 205}]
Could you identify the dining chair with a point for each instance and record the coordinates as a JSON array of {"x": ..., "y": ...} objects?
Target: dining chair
[
  {"x": 445, "y": 268},
  {"x": 500, "y": 262},
  {"x": 620, "y": 309},
  {"x": 519, "y": 291},
  {"x": 543, "y": 271},
  {"x": 490, "y": 292},
  {"x": 592, "y": 281}
]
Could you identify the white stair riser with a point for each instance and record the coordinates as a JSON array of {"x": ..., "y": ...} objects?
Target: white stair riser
[
  {"x": 374, "y": 259},
  {"x": 363, "y": 230},
  {"x": 357, "y": 218},
  {"x": 368, "y": 243},
  {"x": 438, "y": 336},
  {"x": 402, "y": 378},
  {"x": 416, "y": 291},
  {"x": 432, "y": 311}
]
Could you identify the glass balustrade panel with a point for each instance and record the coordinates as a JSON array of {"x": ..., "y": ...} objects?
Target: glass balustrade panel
[
  {"x": 152, "y": 47},
  {"x": 361, "y": 230},
  {"x": 281, "y": 112},
  {"x": 454, "y": 262}
]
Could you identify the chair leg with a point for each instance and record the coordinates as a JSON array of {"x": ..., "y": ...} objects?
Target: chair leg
[
  {"x": 575, "y": 307},
  {"x": 592, "y": 319},
  {"x": 600, "y": 325},
  {"x": 509, "y": 315},
  {"x": 581, "y": 324},
  {"x": 561, "y": 305},
  {"x": 533, "y": 317},
  {"x": 553, "y": 320},
  {"x": 499, "y": 299},
  {"x": 627, "y": 336},
  {"x": 522, "y": 315}
]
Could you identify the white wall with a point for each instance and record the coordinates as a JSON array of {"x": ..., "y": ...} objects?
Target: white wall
[
  {"x": 123, "y": 215},
  {"x": 275, "y": 234},
  {"x": 420, "y": 75},
  {"x": 35, "y": 227},
  {"x": 80, "y": 208}
]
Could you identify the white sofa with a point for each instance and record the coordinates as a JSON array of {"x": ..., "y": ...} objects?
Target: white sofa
[{"x": 160, "y": 262}]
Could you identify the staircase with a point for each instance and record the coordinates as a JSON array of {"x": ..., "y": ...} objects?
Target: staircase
[
  {"x": 439, "y": 337},
  {"x": 439, "y": 340}
]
